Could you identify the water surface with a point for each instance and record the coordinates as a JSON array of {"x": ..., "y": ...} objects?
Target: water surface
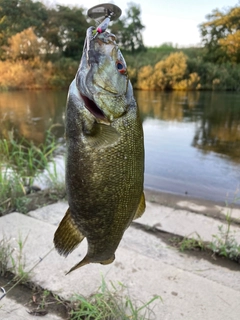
[{"x": 192, "y": 139}]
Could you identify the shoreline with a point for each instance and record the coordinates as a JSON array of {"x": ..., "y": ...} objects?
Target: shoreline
[{"x": 210, "y": 208}]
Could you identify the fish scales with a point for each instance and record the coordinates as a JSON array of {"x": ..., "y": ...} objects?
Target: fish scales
[{"x": 105, "y": 156}]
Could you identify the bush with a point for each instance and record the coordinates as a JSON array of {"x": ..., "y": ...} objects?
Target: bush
[{"x": 37, "y": 74}]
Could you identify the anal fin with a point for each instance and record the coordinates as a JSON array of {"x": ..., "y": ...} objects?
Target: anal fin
[
  {"x": 141, "y": 208},
  {"x": 67, "y": 236}
]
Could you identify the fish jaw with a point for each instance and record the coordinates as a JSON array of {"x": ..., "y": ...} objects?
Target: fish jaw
[{"x": 102, "y": 86}]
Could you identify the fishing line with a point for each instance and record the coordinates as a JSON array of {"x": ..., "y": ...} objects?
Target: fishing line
[{"x": 16, "y": 283}]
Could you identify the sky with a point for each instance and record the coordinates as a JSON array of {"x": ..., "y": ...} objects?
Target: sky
[{"x": 174, "y": 21}]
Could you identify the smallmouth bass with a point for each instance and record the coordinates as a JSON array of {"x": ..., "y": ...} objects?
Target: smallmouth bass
[{"x": 105, "y": 154}]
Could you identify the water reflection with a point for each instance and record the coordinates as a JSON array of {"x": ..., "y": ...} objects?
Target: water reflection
[
  {"x": 218, "y": 129},
  {"x": 30, "y": 114},
  {"x": 216, "y": 115},
  {"x": 168, "y": 106}
]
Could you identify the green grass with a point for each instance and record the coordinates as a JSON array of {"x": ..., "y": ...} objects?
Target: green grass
[
  {"x": 6, "y": 251},
  {"x": 12, "y": 258},
  {"x": 224, "y": 242},
  {"x": 110, "y": 304},
  {"x": 25, "y": 157},
  {"x": 21, "y": 162},
  {"x": 186, "y": 243},
  {"x": 18, "y": 261}
]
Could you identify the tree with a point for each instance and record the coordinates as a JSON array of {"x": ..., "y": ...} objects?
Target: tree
[
  {"x": 128, "y": 30},
  {"x": 66, "y": 29},
  {"x": 221, "y": 35},
  {"x": 24, "y": 45},
  {"x": 168, "y": 74},
  {"x": 18, "y": 15}
]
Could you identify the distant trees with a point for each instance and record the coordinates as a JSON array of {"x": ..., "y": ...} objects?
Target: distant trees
[
  {"x": 18, "y": 15},
  {"x": 24, "y": 45},
  {"x": 65, "y": 29},
  {"x": 128, "y": 29},
  {"x": 59, "y": 30},
  {"x": 221, "y": 35},
  {"x": 62, "y": 28},
  {"x": 41, "y": 46}
]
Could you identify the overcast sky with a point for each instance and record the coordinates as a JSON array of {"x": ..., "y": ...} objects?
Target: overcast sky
[{"x": 174, "y": 21}]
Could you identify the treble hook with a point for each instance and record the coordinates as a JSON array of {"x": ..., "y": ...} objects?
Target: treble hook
[{"x": 4, "y": 293}]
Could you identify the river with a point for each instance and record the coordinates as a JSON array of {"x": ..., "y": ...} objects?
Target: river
[{"x": 192, "y": 139}]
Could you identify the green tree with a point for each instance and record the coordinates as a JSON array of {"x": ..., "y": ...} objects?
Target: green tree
[
  {"x": 221, "y": 35},
  {"x": 18, "y": 15},
  {"x": 129, "y": 29},
  {"x": 66, "y": 30}
]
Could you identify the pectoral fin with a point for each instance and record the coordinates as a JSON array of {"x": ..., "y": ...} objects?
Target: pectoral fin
[
  {"x": 67, "y": 236},
  {"x": 102, "y": 135},
  {"x": 141, "y": 207}
]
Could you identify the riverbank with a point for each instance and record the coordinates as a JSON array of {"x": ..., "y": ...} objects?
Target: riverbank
[
  {"x": 148, "y": 262},
  {"x": 153, "y": 70}
]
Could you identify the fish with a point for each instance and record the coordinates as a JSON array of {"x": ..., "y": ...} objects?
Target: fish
[{"x": 105, "y": 154}]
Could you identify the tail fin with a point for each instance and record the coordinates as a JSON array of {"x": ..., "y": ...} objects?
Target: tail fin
[
  {"x": 84, "y": 261},
  {"x": 87, "y": 260}
]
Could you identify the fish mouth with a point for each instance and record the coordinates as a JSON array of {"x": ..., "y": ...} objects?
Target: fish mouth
[{"x": 94, "y": 109}]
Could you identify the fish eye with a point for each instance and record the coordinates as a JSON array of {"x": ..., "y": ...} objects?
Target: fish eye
[{"x": 121, "y": 68}]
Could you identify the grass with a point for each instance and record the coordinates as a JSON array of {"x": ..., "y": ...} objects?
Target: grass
[
  {"x": 21, "y": 162},
  {"x": 186, "y": 243},
  {"x": 223, "y": 243},
  {"x": 6, "y": 251},
  {"x": 18, "y": 261},
  {"x": 111, "y": 304},
  {"x": 12, "y": 259}
]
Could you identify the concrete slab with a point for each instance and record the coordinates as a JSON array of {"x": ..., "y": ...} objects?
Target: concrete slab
[
  {"x": 183, "y": 222},
  {"x": 52, "y": 213},
  {"x": 217, "y": 210},
  {"x": 11, "y": 310},
  {"x": 233, "y": 212},
  {"x": 150, "y": 246},
  {"x": 224, "y": 210},
  {"x": 146, "y": 266},
  {"x": 179, "y": 222}
]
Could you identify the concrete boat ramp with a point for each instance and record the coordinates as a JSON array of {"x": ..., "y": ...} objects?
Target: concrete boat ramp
[{"x": 190, "y": 287}]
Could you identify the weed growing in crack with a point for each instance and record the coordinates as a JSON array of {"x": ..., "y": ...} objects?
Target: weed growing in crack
[
  {"x": 110, "y": 304},
  {"x": 224, "y": 243}
]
